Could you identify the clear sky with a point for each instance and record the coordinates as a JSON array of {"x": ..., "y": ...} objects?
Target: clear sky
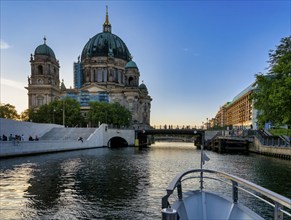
[{"x": 193, "y": 56}]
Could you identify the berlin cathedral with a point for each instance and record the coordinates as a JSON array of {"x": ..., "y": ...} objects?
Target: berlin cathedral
[{"x": 104, "y": 72}]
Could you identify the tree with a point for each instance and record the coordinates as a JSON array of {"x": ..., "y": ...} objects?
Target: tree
[
  {"x": 119, "y": 115},
  {"x": 58, "y": 112},
  {"x": 24, "y": 116},
  {"x": 8, "y": 111},
  {"x": 273, "y": 96},
  {"x": 72, "y": 112},
  {"x": 102, "y": 112}
]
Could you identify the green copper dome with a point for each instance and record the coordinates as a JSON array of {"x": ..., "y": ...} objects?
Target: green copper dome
[
  {"x": 131, "y": 64},
  {"x": 143, "y": 87},
  {"x": 106, "y": 44},
  {"x": 44, "y": 50}
]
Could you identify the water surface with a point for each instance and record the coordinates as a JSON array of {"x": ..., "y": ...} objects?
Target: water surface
[{"x": 123, "y": 183}]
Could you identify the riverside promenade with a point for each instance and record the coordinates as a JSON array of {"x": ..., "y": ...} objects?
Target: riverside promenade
[
  {"x": 251, "y": 141},
  {"x": 56, "y": 138}
]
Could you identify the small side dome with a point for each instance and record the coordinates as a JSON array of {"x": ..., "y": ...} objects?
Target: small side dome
[
  {"x": 131, "y": 64},
  {"x": 44, "y": 50},
  {"x": 143, "y": 87}
]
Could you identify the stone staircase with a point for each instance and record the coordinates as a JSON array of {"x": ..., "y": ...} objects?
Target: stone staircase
[
  {"x": 26, "y": 129},
  {"x": 68, "y": 133}
]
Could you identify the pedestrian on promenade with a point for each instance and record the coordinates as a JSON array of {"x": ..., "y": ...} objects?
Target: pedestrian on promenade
[{"x": 4, "y": 137}]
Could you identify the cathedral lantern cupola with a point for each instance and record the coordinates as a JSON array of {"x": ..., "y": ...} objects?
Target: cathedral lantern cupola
[{"x": 107, "y": 25}]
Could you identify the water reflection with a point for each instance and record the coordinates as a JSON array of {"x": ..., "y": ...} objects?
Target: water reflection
[
  {"x": 125, "y": 183},
  {"x": 13, "y": 186}
]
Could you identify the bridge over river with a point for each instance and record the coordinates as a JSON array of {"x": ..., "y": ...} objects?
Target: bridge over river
[{"x": 143, "y": 135}]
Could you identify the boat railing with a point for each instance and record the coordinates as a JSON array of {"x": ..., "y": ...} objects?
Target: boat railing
[{"x": 279, "y": 201}]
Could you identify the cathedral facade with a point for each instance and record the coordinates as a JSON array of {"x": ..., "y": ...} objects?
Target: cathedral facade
[{"x": 104, "y": 72}]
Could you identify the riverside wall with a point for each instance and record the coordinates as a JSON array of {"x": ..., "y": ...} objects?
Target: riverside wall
[
  {"x": 283, "y": 152},
  {"x": 11, "y": 148}
]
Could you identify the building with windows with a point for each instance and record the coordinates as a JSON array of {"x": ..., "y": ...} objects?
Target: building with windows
[
  {"x": 238, "y": 113},
  {"x": 105, "y": 72}
]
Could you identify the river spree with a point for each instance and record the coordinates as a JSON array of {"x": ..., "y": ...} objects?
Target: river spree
[{"x": 123, "y": 183}]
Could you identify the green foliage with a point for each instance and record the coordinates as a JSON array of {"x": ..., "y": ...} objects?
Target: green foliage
[
  {"x": 102, "y": 112},
  {"x": 280, "y": 131},
  {"x": 8, "y": 111},
  {"x": 273, "y": 96},
  {"x": 24, "y": 116},
  {"x": 57, "y": 112}
]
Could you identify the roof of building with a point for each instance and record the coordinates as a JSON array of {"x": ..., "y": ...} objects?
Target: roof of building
[
  {"x": 143, "y": 87},
  {"x": 131, "y": 64},
  {"x": 44, "y": 49},
  {"x": 106, "y": 44},
  {"x": 242, "y": 93}
]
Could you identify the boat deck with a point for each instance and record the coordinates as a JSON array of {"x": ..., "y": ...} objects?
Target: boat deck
[{"x": 206, "y": 205}]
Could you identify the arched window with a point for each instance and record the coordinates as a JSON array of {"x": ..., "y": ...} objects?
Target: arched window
[
  {"x": 119, "y": 76},
  {"x": 40, "y": 69},
  {"x": 130, "y": 81},
  {"x": 105, "y": 75},
  {"x": 39, "y": 101},
  {"x": 99, "y": 77},
  {"x": 94, "y": 75}
]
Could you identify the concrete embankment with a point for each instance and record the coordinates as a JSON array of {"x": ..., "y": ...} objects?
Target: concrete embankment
[
  {"x": 56, "y": 138},
  {"x": 64, "y": 139},
  {"x": 274, "y": 151},
  {"x": 13, "y": 148}
]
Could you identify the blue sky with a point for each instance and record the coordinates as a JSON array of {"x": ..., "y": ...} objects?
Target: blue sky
[{"x": 193, "y": 56}]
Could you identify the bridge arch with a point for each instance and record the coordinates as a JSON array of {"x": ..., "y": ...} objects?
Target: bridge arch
[{"x": 117, "y": 141}]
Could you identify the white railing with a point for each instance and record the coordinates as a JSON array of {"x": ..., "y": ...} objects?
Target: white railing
[{"x": 278, "y": 201}]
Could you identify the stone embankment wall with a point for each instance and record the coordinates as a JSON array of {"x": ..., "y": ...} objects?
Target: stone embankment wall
[
  {"x": 9, "y": 148},
  {"x": 283, "y": 152}
]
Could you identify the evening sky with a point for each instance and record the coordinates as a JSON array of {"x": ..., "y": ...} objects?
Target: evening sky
[{"x": 193, "y": 56}]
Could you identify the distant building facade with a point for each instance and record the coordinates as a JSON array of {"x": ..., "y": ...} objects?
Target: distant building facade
[
  {"x": 105, "y": 72},
  {"x": 238, "y": 113}
]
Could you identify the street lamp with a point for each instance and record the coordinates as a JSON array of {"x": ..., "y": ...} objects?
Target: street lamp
[
  {"x": 54, "y": 111},
  {"x": 63, "y": 112}
]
